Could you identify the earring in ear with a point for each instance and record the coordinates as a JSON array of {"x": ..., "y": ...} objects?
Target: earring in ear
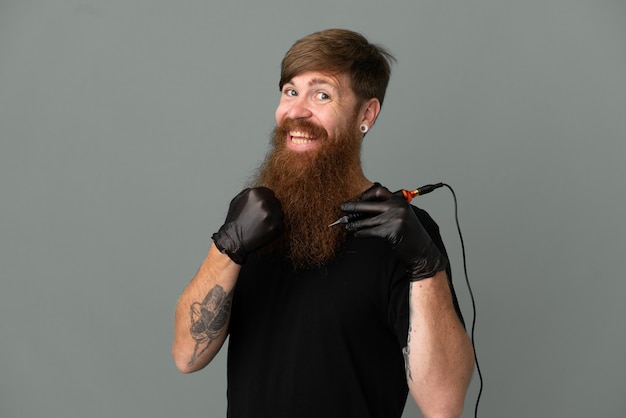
[{"x": 364, "y": 128}]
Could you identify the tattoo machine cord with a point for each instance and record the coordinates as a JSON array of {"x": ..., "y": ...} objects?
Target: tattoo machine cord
[
  {"x": 471, "y": 293},
  {"x": 427, "y": 189},
  {"x": 408, "y": 196}
]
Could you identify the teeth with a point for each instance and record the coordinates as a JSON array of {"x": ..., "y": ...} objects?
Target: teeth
[
  {"x": 300, "y": 140},
  {"x": 300, "y": 134}
]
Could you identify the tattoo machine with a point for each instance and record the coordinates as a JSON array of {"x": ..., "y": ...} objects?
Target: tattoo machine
[{"x": 408, "y": 195}]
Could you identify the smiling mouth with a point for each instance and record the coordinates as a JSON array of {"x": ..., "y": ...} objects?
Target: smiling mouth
[{"x": 300, "y": 137}]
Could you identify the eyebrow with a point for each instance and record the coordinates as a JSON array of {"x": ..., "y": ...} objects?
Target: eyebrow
[
  {"x": 319, "y": 80},
  {"x": 327, "y": 82}
]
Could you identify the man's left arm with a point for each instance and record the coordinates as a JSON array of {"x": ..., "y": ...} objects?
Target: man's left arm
[{"x": 439, "y": 355}]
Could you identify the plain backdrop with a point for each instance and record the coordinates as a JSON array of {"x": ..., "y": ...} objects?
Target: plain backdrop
[{"x": 126, "y": 126}]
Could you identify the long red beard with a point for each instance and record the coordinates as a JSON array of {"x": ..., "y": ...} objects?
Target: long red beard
[{"x": 310, "y": 186}]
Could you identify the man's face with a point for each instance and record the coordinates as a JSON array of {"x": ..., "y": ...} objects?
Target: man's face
[
  {"x": 321, "y": 106},
  {"x": 314, "y": 164}
]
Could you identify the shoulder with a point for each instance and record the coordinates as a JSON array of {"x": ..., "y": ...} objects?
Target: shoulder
[{"x": 425, "y": 219}]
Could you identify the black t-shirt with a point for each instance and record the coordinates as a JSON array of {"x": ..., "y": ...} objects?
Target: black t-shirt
[{"x": 322, "y": 342}]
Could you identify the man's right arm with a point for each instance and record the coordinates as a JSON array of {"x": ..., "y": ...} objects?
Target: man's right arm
[
  {"x": 203, "y": 312},
  {"x": 254, "y": 219}
]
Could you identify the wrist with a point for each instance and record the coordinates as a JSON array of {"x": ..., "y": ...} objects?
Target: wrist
[{"x": 226, "y": 245}]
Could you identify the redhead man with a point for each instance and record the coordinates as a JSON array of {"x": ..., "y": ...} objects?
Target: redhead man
[{"x": 340, "y": 321}]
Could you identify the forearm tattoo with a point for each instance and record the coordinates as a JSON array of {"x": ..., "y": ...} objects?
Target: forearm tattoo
[
  {"x": 407, "y": 367},
  {"x": 406, "y": 351},
  {"x": 208, "y": 319}
]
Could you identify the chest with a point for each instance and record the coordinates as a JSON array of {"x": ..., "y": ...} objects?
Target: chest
[{"x": 351, "y": 294}]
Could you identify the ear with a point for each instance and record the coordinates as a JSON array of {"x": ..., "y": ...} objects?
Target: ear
[{"x": 369, "y": 112}]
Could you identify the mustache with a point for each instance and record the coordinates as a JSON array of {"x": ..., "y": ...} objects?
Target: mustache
[{"x": 288, "y": 125}]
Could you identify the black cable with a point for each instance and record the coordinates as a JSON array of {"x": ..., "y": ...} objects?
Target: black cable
[{"x": 471, "y": 293}]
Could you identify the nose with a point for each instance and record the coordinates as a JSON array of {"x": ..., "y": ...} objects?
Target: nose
[{"x": 299, "y": 109}]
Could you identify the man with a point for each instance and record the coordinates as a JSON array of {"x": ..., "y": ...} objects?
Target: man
[{"x": 323, "y": 321}]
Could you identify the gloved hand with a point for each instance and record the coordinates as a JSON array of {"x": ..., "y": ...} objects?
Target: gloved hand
[
  {"x": 254, "y": 219},
  {"x": 382, "y": 214}
]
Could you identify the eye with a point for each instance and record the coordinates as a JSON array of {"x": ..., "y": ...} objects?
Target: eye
[
  {"x": 290, "y": 92},
  {"x": 322, "y": 96}
]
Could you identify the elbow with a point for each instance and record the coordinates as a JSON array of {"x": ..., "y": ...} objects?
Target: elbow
[
  {"x": 444, "y": 410},
  {"x": 444, "y": 399},
  {"x": 441, "y": 403},
  {"x": 187, "y": 358},
  {"x": 450, "y": 413},
  {"x": 454, "y": 410},
  {"x": 183, "y": 367},
  {"x": 182, "y": 361}
]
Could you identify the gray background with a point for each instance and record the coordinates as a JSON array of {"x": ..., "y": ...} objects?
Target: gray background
[{"x": 128, "y": 125}]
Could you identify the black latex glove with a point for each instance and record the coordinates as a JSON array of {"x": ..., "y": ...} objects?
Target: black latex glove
[
  {"x": 254, "y": 219},
  {"x": 382, "y": 214}
]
